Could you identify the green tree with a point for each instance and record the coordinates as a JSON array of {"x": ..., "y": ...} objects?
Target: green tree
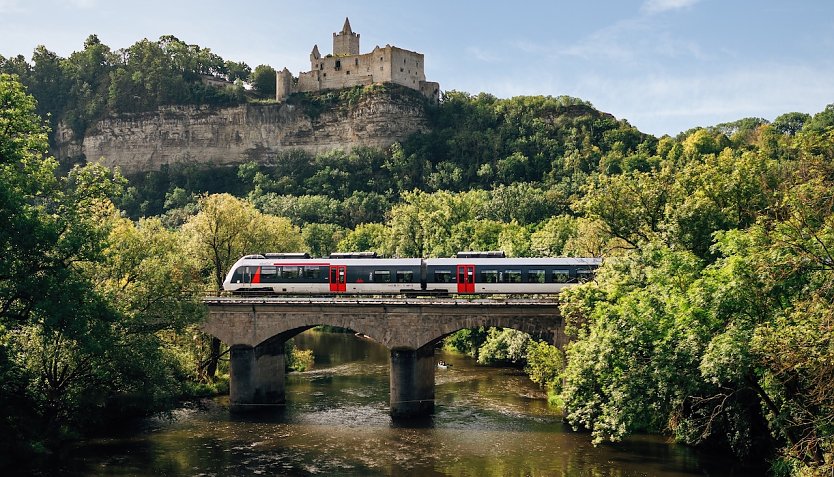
[
  {"x": 74, "y": 357},
  {"x": 421, "y": 225},
  {"x": 237, "y": 70},
  {"x": 475, "y": 235},
  {"x": 545, "y": 364},
  {"x": 631, "y": 206},
  {"x": 321, "y": 239},
  {"x": 514, "y": 239},
  {"x": 506, "y": 346},
  {"x": 550, "y": 239},
  {"x": 225, "y": 229},
  {"x": 364, "y": 238},
  {"x": 264, "y": 80},
  {"x": 790, "y": 123}
]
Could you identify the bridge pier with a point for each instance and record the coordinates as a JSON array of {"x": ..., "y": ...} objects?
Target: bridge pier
[
  {"x": 412, "y": 382},
  {"x": 256, "y": 376}
]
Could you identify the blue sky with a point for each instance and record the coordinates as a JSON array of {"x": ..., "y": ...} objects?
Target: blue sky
[{"x": 664, "y": 65}]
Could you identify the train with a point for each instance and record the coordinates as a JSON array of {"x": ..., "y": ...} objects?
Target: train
[{"x": 363, "y": 273}]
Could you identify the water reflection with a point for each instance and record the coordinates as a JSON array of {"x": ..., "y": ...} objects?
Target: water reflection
[{"x": 487, "y": 422}]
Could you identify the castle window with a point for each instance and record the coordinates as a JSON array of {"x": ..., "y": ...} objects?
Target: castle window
[
  {"x": 380, "y": 58},
  {"x": 403, "y": 60},
  {"x": 401, "y": 70},
  {"x": 356, "y": 62},
  {"x": 347, "y": 72},
  {"x": 338, "y": 65}
]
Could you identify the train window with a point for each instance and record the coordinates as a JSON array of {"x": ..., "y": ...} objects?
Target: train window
[
  {"x": 269, "y": 274},
  {"x": 382, "y": 276},
  {"x": 489, "y": 276},
  {"x": 561, "y": 276},
  {"x": 312, "y": 272},
  {"x": 290, "y": 273},
  {"x": 512, "y": 276},
  {"x": 444, "y": 276},
  {"x": 584, "y": 275},
  {"x": 535, "y": 276},
  {"x": 405, "y": 276}
]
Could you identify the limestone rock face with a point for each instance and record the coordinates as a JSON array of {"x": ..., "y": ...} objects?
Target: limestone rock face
[{"x": 213, "y": 136}]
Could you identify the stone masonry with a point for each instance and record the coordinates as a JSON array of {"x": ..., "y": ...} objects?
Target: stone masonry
[
  {"x": 346, "y": 67},
  {"x": 255, "y": 331}
]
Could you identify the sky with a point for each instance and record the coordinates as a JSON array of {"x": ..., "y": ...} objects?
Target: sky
[{"x": 665, "y": 66}]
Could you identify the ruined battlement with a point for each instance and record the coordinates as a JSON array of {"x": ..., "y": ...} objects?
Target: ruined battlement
[{"x": 346, "y": 67}]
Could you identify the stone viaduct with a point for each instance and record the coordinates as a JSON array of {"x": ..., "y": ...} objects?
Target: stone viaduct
[{"x": 255, "y": 331}]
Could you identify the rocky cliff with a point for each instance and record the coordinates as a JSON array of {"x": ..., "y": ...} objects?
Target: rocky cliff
[{"x": 252, "y": 132}]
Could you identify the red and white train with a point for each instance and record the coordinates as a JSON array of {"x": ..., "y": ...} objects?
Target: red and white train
[{"x": 364, "y": 274}]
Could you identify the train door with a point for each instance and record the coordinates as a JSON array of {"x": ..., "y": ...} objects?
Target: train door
[
  {"x": 466, "y": 278},
  {"x": 338, "y": 278}
]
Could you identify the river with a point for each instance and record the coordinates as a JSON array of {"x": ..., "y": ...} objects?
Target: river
[{"x": 487, "y": 422}]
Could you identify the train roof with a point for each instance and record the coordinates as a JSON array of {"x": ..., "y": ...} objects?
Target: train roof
[
  {"x": 527, "y": 261},
  {"x": 312, "y": 262},
  {"x": 260, "y": 260}
]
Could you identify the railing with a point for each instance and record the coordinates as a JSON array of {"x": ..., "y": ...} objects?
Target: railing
[{"x": 364, "y": 300}]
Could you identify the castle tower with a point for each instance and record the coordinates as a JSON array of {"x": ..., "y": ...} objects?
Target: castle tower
[
  {"x": 283, "y": 84},
  {"x": 346, "y": 42}
]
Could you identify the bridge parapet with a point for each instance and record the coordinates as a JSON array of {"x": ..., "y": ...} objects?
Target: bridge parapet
[{"x": 395, "y": 323}]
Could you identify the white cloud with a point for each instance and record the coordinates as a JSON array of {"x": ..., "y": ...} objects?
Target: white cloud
[{"x": 659, "y": 6}]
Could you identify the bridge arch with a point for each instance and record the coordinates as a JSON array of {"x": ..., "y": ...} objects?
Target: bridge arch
[{"x": 255, "y": 330}]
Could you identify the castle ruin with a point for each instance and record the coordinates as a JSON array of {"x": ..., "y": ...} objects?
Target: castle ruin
[{"x": 346, "y": 67}]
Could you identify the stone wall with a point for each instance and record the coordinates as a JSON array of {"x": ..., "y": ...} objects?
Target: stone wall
[
  {"x": 404, "y": 325},
  {"x": 346, "y": 67},
  {"x": 224, "y": 136},
  {"x": 407, "y": 68}
]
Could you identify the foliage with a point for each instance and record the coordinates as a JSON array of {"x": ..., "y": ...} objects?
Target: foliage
[
  {"x": 545, "y": 363},
  {"x": 505, "y": 346},
  {"x": 225, "y": 229},
  {"x": 86, "y": 298},
  {"x": 321, "y": 239},
  {"x": 468, "y": 340},
  {"x": 298, "y": 359},
  {"x": 263, "y": 79},
  {"x": 80, "y": 89},
  {"x": 364, "y": 238},
  {"x": 716, "y": 324},
  {"x": 550, "y": 239}
]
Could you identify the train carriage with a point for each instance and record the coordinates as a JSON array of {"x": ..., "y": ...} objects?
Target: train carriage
[
  {"x": 299, "y": 274},
  {"x": 508, "y": 275},
  {"x": 469, "y": 273}
]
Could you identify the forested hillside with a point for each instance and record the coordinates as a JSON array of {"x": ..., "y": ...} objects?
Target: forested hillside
[
  {"x": 98, "y": 80},
  {"x": 710, "y": 321}
]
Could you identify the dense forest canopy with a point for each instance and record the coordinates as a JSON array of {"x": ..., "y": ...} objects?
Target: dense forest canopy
[
  {"x": 99, "y": 80},
  {"x": 711, "y": 319}
]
